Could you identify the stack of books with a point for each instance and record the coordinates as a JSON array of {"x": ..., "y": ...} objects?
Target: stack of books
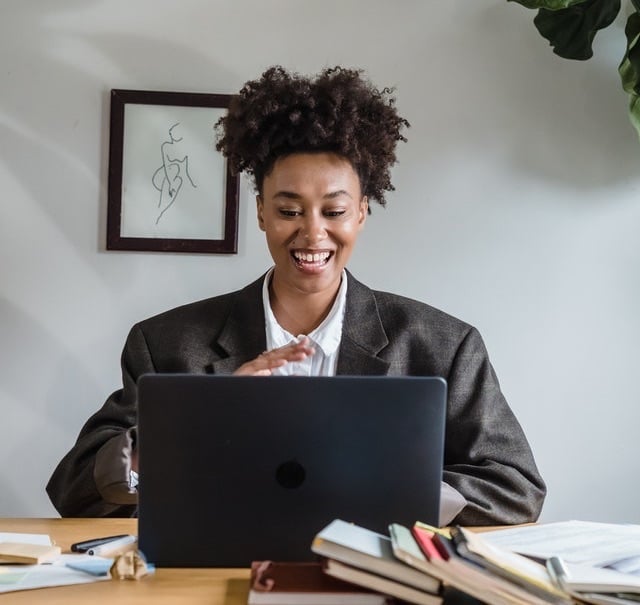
[{"x": 357, "y": 566}]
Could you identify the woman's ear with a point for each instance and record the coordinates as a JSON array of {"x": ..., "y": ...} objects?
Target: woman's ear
[
  {"x": 260, "y": 211},
  {"x": 364, "y": 210}
]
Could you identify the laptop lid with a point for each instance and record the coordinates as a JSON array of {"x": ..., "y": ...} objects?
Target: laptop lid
[{"x": 235, "y": 469}]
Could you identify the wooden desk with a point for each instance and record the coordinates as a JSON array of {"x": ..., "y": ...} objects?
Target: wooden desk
[
  {"x": 204, "y": 586},
  {"x": 189, "y": 586}
]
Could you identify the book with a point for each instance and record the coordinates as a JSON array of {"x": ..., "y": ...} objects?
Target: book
[
  {"x": 406, "y": 548},
  {"x": 379, "y": 583},
  {"x": 371, "y": 551},
  {"x": 593, "y": 598},
  {"x": 577, "y": 578},
  {"x": 470, "y": 577},
  {"x": 19, "y": 552},
  {"x": 464, "y": 576},
  {"x": 532, "y": 576},
  {"x": 283, "y": 583}
]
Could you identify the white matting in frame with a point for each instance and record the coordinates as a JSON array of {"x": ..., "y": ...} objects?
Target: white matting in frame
[{"x": 173, "y": 181}]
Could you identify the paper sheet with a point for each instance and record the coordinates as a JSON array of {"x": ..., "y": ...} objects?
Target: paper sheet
[
  {"x": 27, "y": 577},
  {"x": 42, "y": 539},
  {"x": 588, "y": 543}
]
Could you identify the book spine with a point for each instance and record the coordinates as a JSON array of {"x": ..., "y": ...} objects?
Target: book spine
[
  {"x": 443, "y": 546},
  {"x": 426, "y": 543}
]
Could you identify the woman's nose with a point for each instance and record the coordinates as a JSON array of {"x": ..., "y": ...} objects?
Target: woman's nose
[{"x": 313, "y": 229}]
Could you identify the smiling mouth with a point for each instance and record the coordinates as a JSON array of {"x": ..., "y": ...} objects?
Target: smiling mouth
[{"x": 311, "y": 259}]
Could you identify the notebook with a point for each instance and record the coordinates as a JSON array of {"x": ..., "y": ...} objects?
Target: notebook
[{"x": 237, "y": 469}]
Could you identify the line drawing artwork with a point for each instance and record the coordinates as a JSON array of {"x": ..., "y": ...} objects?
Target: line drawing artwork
[{"x": 170, "y": 177}]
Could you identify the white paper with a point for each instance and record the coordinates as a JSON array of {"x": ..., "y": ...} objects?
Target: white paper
[
  {"x": 588, "y": 543},
  {"x": 630, "y": 566},
  {"x": 27, "y": 577},
  {"x": 41, "y": 539}
]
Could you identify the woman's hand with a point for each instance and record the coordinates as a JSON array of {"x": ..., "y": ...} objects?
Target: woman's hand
[{"x": 268, "y": 361}]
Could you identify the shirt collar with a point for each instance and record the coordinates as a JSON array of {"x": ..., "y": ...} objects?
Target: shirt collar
[{"x": 327, "y": 335}]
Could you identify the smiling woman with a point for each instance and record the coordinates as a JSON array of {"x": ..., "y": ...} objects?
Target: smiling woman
[
  {"x": 320, "y": 150},
  {"x": 311, "y": 210}
]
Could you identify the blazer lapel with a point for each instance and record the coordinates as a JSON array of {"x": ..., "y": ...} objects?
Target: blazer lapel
[
  {"x": 363, "y": 335},
  {"x": 243, "y": 336}
]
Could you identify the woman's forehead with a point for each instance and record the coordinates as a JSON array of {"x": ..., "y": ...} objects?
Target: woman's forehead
[{"x": 312, "y": 171}]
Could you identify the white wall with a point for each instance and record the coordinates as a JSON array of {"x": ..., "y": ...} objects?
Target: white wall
[{"x": 516, "y": 209}]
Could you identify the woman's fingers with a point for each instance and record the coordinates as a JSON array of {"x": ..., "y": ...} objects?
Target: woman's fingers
[{"x": 276, "y": 358}]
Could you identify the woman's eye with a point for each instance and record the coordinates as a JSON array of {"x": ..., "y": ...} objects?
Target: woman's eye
[
  {"x": 286, "y": 212},
  {"x": 334, "y": 213}
]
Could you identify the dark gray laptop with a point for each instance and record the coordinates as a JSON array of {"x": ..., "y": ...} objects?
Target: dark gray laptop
[{"x": 235, "y": 469}]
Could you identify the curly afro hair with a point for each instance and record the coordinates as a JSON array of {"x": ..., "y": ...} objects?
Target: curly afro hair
[{"x": 339, "y": 111}]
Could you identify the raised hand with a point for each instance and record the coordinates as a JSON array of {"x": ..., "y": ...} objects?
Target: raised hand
[{"x": 266, "y": 362}]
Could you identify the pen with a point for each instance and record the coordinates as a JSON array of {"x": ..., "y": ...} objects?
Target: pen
[
  {"x": 112, "y": 547},
  {"x": 85, "y": 545},
  {"x": 558, "y": 572}
]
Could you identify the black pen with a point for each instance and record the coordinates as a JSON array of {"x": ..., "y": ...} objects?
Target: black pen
[{"x": 89, "y": 544}]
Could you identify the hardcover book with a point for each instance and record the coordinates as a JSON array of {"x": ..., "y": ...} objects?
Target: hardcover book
[
  {"x": 281, "y": 583},
  {"x": 370, "y": 551},
  {"x": 406, "y": 548},
  {"x": 529, "y": 574},
  {"x": 470, "y": 577},
  {"x": 380, "y": 583}
]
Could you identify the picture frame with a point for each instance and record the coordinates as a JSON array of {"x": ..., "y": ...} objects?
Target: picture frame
[{"x": 169, "y": 189}]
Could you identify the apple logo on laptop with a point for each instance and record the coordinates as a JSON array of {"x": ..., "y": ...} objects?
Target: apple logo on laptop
[{"x": 290, "y": 474}]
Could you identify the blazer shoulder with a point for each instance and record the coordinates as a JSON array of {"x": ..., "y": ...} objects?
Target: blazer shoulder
[{"x": 401, "y": 311}]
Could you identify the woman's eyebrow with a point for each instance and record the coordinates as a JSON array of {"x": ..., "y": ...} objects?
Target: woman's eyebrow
[
  {"x": 334, "y": 194},
  {"x": 289, "y": 195},
  {"x": 292, "y": 195}
]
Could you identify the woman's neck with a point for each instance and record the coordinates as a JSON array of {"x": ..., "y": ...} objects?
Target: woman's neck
[{"x": 300, "y": 312}]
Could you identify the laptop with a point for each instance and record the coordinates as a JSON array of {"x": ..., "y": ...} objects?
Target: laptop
[{"x": 236, "y": 469}]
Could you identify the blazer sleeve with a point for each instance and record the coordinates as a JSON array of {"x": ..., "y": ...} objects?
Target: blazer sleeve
[
  {"x": 487, "y": 456},
  {"x": 86, "y": 481}
]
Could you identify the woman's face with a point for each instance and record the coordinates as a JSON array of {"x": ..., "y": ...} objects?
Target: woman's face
[{"x": 311, "y": 210}]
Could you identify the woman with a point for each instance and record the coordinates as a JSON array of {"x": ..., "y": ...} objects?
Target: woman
[{"x": 319, "y": 151}]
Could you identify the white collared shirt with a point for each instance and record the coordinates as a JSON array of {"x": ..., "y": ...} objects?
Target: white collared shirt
[{"x": 325, "y": 338}]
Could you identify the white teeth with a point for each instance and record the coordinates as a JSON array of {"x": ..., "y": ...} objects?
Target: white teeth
[{"x": 307, "y": 257}]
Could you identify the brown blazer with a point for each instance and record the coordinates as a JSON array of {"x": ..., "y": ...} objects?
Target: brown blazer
[{"x": 487, "y": 457}]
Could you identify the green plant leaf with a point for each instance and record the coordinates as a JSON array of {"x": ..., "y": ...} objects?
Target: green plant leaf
[
  {"x": 634, "y": 112},
  {"x": 552, "y": 5},
  {"x": 571, "y": 30},
  {"x": 630, "y": 68}
]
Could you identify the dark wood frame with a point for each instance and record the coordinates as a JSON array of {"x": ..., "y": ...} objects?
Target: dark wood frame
[{"x": 119, "y": 98}]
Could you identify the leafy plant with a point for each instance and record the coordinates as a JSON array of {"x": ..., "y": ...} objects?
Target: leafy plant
[{"x": 570, "y": 26}]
